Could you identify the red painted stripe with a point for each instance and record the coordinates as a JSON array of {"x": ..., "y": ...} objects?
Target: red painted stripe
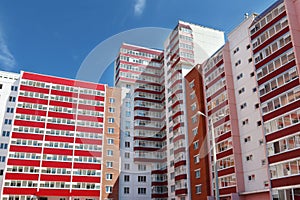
[
  {"x": 31, "y": 112},
  {"x": 58, "y": 151},
  {"x": 56, "y": 164},
  {"x": 64, "y": 93},
  {"x": 89, "y": 129},
  {"x": 284, "y": 156},
  {"x": 87, "y": 166},
  {"x": 88, "y": 141},
  {"x": 60, "y": 178},
  {"x": 86, "y": 179},
  {"x": 23, "y": 162},
  {"x": 27, "y": 136},
  {"x": 59, "y": 139},
  {"x": 88, "y": 193},
  {"x": 53, "y": 192},
  {"x": 91, "y": 97},
  {"x": 90, "y": 118},
  {"x": 87, "y": 153},
  {"x": 19, "y": 191},
  {"x": 88, "y": 107},
  {"x": 28, "y": 149},
  {"x": 62, "y": 104},
  {"x": 32, "y": 100},
  {"x": 224, "y": 154},
  {"x": 29, "y": 123},
  {"x": 21, "y": 176},
  {"x": 60, "y": 127},
  {"x": 34, "y": 89},
  {"x": 62, "y": 115}
]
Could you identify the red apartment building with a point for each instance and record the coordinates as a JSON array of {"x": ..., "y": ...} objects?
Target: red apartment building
[{"x": 56, "y": 145}]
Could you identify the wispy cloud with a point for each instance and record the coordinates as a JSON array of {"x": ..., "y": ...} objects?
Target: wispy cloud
[
  {"x": 7, "y": 60},
  {"x": 139, "y": 7}
]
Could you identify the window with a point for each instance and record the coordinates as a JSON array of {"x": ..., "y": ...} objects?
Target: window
[
  {"x": 1, "y": 172},
  {"x": 250, "y": 157},
  {"x": 173, "y": 188},
  {"x": 192, "y": 95},
  {"x": 127, "y": 155},
  {"x": 263, "y": 162},
  {"x": 246, "y": 121},
  {"x": 128, "y": 86},
  {"x": 141, "y": 190},
  {"x": 127, "y": 166},
  {"x": 198, "y": 189},
  {"x": 195, "y": 131},
  {"x": 193, "y": 106},
  {"x": 108, "y": 189},
  {"x": 196, "y": 145},
  {"x": 248, "y": 46},
  {"x": 254, "y": 89},
  {"x": 141, "y": 178},
  {"x": 111, "y": 130},
  {"x": 247, "y": 139},
  {"x": 142, "y": 167},
  {"x": 238, "y": 62},
  {"x": 127, "y": 133},
  {"x": 14, "y": 88},
  {"x": 12, "y": 99},
  {"x": 258, "y": 123},
  {"x": 192, "y": 84},
  {"x": 239, "y": 76},
  {"x": 3, "y": 146},
  {"x": 244, "y": 105},
  {"x": 5, "y": 133},
  {"x": 110, "y": 141},
  {"x": 110, "y": 152},
  {"x": 241, "y": 90},
  {"x": 128, "y": 104},
  {"x": 194, "y": 119},
  {"x": 126, "y": 190},
  {"x": 196, "y": 159},
  {"x": 251, "y": 177},
  {"x": 236, "y": 50},
  {"x": 197, "y": 173},
  {"x": 7, "y": 121},
  {"x": 256, "y": 106},
  {"x": 128, "y": 95},
  {"x": 109, "y": 176},
  {"x": 128, "y": 113},
  {"x": 111, "y": 110},
  {"x": 1, "y": 85},
  {"x": 112, "y": 100},
  {"x": 250, "y": 60},
  {"x": 126, "y": 178},
  {"x": 2, "y": 158},
  {"x": 252, "y": 74},
  {"x": 111, "y": 120},
  {"x": 127, "y": 144},
  {"x": 109, "y": 164}
]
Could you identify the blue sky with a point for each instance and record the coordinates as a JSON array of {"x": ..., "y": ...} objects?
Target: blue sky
[{"x": 54, "y": 37}]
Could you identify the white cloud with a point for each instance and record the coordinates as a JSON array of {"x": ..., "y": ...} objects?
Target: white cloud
[
  {"x": 139, "y": 7},
  {"x": 7, "y": 60}
]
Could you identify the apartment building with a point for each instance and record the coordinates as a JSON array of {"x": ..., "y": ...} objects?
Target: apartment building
[
  {"x": 275, "y": 44},
  {"x": 187, "y": 45},
  {"x": 198, "y": 157},
  {"x": 56, "y": 143},
  {"x": 139, "y": 72}
]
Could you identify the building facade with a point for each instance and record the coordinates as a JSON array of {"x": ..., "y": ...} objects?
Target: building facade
[
  {"x": 275, "y": 44},
  {"x": 56, "y": 142}
]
